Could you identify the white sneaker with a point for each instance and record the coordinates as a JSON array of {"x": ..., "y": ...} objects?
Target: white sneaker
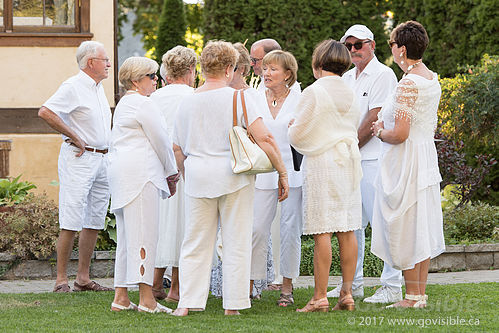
[
  {"x": 357, "y": 292},
  {"x": 385, "y": 295}
]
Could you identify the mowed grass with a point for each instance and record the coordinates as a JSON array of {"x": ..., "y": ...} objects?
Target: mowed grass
[{"x": 452, "y": 308}]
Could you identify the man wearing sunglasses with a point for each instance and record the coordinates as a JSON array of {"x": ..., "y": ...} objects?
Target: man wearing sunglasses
[
  {"x": 372, "y": 82},
  {"x": 79, "y": 110}
]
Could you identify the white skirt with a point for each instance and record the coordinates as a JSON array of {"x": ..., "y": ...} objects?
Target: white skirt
[
  {"x": 331, "y": 196},
  {"x": 171, "y": 228},
  {"x": 407, "y": 217}
]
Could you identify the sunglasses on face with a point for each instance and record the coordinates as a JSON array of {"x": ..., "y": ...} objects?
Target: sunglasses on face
[
  {"x": 152, "y": 76},
  {"x": 391, "y": 42},
  {"x": 358, "y": 45}
]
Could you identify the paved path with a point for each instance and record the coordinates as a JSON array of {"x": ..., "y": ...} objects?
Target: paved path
[{"x": 42, "y": 286}]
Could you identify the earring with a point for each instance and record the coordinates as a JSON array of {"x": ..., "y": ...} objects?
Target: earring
[
  {"x": 227, "y": 75},
  {"x": 401, "y": 54}
]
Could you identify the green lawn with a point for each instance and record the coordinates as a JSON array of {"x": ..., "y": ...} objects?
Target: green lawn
[{"x": 449, "y": 308}]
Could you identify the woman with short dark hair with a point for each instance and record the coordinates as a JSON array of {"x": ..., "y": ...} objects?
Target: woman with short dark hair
[
  {"x": 407, "y": 216},
  {"x": 325, "y": 131}
]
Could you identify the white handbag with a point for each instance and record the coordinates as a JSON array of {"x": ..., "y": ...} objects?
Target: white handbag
[{"x": 246, "y": 156}]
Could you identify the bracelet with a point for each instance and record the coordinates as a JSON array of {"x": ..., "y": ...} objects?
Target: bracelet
[{"x": 378, "y": 134}]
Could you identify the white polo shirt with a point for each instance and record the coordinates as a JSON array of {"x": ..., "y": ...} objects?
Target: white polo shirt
[
  {"x": 371, "y": 89},
  {"x": 83, "y": 106}
]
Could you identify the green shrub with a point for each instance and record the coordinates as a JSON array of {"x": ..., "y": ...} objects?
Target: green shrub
[
  {"x": 171, "y": 27},
  {"x": 29, "y": 230},
  {"x": 13, "y": 192},
  {"x": 471, "y": 223},
  {"x": 373, "y": 266},
  {"x": 106, "y": 240}
]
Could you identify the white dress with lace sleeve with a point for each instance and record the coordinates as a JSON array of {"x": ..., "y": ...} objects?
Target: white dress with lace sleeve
[{"x": 407, "y": 217}]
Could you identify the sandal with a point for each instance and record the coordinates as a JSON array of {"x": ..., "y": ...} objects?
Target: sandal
[
  {"x": 91, "y": 286},
  {"x": 159, "y": 294},
  {"x": 285, "y": 300},
  {"x": 120, "y": 307},
  {"x": 420, "y": 302},
  {"x": 320, "y": 305},
  {"x": 62, "y": 288},
  {"x": 159, "y": 308},
  {"x": 345, "y": 303}
]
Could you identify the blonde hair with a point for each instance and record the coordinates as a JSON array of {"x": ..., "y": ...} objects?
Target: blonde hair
[
  {"x": 331, "y": 56},
  {"x": 134, "y": 69},
  {"x": 216, "y": 56},
  {"x": 286, "y": 60},
  {"x": 178, "y": 61},
  {"x": 244, "y": 60}
]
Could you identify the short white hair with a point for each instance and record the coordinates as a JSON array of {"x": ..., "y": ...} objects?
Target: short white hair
[{"x": 87, "y": 50}]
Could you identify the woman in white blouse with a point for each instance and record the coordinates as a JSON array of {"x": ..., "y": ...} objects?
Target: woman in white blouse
[
  {"x": 179, "y": 65},
  {"x": 212, "y": 191},
  {"x": 141, "y": 158},
  {"x": 325, "y": 131},
  {"x": 407, "y": 216},
  {"x": 277, "y": 107}
]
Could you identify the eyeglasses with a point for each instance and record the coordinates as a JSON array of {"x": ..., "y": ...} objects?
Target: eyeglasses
[
  {"x": 358, "y": 45},
  {"x": 391, "y": 42},
  {"x": 235, "y": 68},
  {"x": 255, "y": 60},
  {"x": 103, "y": 59},
  {"x": 152, "y": 76}
]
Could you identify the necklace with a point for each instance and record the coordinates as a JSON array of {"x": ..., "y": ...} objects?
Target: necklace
[
  {"x": 276, "y": 99},
  {"x": 413, "y": 65}
]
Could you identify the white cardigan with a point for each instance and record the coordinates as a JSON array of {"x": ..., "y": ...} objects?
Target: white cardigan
[
  {"x": 140, "y": 151},
  {"x": 327, "y": 118}
]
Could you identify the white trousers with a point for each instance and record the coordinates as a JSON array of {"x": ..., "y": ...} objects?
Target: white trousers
[
  {"x": 291, "y": 225},
  {"x": 84, "y": 190},
  {"x": 390, "y": 276},
  {"x": 137, "y": 230},
  {"x": 235, "y": 211}
]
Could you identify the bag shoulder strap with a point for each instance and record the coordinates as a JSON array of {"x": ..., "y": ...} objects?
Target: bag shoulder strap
[{"x": 234, "y": 108}]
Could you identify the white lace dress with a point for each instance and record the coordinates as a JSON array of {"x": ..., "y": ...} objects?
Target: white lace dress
[
  {"x": 325, "y": 132},
  {"x": 407, "y": 217}
]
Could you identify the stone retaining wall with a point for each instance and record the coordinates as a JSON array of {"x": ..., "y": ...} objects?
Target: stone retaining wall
[{"x": 455, "y": 258}]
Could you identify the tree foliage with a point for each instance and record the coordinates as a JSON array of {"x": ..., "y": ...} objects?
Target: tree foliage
[
  {"x": 297, "y": 25},
  {"x": 171, "y": 28},
  {"x": 468, "y": 115},
  {"x": 460, "y": 32}
]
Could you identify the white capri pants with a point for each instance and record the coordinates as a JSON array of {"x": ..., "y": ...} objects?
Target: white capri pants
[
  {"x": 84, "y": 189},
  {"x": 196, "y": 256},
  {"x": 291, "y": 226},
  {"x": 137, "y": 229}
]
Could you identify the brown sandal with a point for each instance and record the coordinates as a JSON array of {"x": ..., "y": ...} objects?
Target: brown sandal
[
  {"x": 62, "y": 288},
  {"x": 320, "y": 305},
  {"x": 91, "y": 286},
  {"x": 345, "y": 303}
]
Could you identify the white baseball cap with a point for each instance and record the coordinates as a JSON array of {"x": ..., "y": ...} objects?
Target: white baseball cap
[{"x": 358, "y": 31}]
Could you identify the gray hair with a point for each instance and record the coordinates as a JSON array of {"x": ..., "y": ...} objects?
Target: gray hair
[
  {"x": 87, "y": 50},
  {"x": 162, "y": 72}
]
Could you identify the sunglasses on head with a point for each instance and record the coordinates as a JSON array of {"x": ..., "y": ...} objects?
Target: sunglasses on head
[
  {"x": 358, "y": 45},
  {"x": 152, "y": 76},
  {"x": 391, "y": 42}
]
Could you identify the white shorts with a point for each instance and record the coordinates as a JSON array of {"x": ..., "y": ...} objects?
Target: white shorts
[{"x": 84, "y": 190}]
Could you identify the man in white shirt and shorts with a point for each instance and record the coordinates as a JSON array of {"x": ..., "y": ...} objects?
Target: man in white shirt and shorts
[
  {"x": 80, "y": 111},
  {"x": 372, "y": 82}
]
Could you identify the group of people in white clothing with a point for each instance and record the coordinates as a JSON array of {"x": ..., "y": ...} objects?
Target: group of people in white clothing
[{"x": 368, "y": 157}]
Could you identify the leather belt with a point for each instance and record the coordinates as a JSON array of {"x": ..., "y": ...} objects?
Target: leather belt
[{"x": 94, "y": 150}]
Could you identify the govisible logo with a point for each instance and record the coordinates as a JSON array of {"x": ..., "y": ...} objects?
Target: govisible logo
[{"x": 364, "y": 94}]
